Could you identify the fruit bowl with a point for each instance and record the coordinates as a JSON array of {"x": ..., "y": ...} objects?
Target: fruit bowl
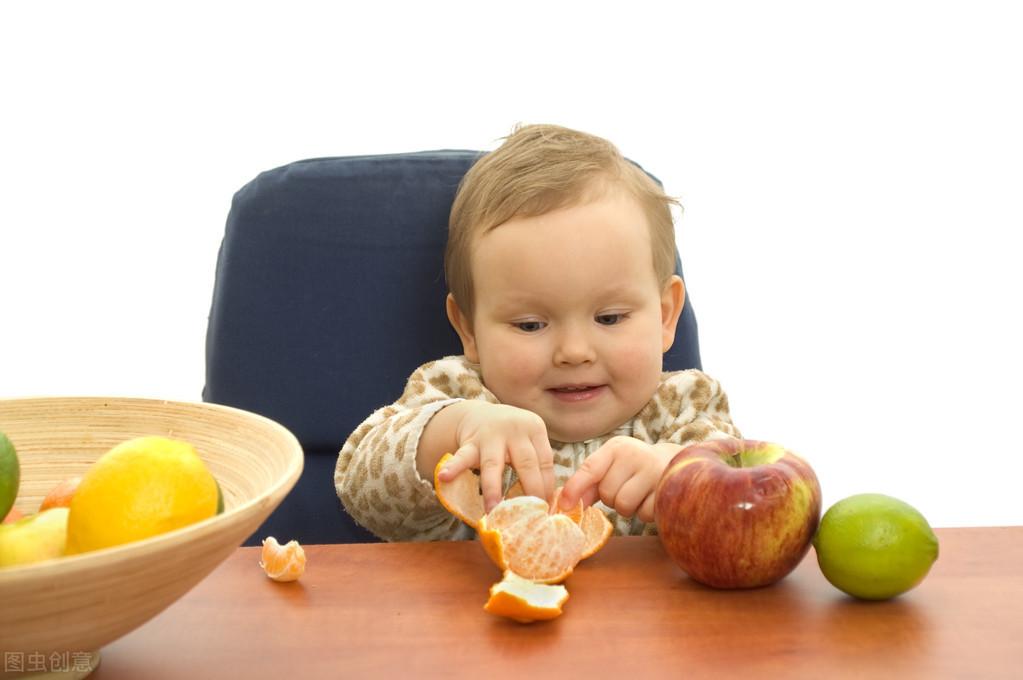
[{"x": 75, "y": 605}]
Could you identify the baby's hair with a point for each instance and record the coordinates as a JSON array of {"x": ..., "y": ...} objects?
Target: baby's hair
[{"x": 538, "y": 169}]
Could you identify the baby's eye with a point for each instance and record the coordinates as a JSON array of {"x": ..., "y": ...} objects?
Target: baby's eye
[
  {"x": 529, "y": 326},
  {"x": 609, "y": 319}
]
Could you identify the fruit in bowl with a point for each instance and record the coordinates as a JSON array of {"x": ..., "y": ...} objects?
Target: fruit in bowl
[
  {"x": 10, "y": 475},
  {"x": 84, "y": 601},
  {"x": 38, "y": 537},
  {"x": 140, "y": 488},
  {"x": 737, "y": 513},
  {"x": 60, "y": 496}
]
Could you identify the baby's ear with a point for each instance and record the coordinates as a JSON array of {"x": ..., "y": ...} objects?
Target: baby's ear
[
  {"x": 673, "y": 297},
  {"x": 462, "y": 326}
]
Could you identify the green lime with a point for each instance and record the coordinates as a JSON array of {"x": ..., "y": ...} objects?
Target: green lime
[
  {"x": 874, "y": 547},
  {"x": 220, "y": 499},
  {"x": 10, "y": 475}
]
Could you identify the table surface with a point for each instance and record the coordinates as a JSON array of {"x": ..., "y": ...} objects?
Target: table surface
[{"x": 415, "y": 609}]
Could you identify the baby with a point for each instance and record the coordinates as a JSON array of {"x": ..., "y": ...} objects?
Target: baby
[{"x": 560, "y": 264}]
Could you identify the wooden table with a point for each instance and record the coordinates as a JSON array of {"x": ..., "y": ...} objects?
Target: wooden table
[{"x": 415, "y": 610}]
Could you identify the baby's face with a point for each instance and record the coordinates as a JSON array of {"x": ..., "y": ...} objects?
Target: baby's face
[{"x": 570, "y": 320}]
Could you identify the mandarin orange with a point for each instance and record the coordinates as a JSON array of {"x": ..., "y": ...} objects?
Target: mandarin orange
[
  {"x": 524, "y": 534},
  {"x": 60, "y": 496}
]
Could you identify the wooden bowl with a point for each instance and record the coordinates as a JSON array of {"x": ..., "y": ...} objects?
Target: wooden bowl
[{"x": 80, "y": 603}]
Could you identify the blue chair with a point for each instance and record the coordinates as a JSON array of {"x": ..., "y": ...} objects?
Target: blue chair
[{"x": 329, "y": 292}]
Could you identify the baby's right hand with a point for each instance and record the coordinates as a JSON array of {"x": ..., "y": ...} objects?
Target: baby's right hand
[{"x": 491, "y": 436}]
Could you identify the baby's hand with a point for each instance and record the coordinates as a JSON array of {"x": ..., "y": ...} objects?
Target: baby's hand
[
  {"x": 623, "y": 474},
  {"x": 491, "y": 436}
]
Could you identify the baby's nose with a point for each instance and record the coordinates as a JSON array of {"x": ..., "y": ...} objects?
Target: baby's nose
[{"x": 574, "y": 347}]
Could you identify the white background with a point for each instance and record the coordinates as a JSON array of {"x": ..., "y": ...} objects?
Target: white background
[{"x": 852, "y": 175}]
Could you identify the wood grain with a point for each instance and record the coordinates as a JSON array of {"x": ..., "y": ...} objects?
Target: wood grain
[{"x": 415, "y": 610}]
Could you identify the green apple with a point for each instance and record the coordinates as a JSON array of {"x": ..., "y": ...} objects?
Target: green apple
[{"x": 10, "y": 475}]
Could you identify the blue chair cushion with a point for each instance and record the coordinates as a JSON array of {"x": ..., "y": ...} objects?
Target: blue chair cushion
[{"x": 329, "y": 292}]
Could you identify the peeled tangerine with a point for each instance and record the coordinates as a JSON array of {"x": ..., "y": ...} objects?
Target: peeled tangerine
[
  {"x": 282, "y": 562},
  {"x": 533, "y": 543}
]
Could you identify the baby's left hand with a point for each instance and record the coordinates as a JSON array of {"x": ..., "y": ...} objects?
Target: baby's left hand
[{"x": 623, "y": 474}]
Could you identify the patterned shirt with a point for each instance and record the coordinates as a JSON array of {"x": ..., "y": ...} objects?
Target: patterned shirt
[{"x": 376, "y": 476}]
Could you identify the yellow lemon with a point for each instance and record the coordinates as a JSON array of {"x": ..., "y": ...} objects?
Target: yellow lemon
[
  {"x": 140, "y": 488},
  {"x": 874, "y": 547}
]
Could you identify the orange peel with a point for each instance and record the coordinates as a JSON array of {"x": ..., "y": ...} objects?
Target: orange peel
[
  {"x": 523, "y": 600},
  {"x": 597, "y": 528},
  {"x": 460, "y": 496}
]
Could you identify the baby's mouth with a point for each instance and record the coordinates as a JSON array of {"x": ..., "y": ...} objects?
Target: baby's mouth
[{"x": 574, "y": 393}]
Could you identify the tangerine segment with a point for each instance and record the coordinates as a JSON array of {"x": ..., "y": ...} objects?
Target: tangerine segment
[
  {"x": 282, "y": 562},
  {"x": 575, "y": 513},
  {"x": 520, "y": 534},
  {"x": 523, "y": 600},
  {"x": 461, "y": 496},
  {"x": 596, "y": 528}
]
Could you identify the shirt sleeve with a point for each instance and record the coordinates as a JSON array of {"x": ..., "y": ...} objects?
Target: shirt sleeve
[
  {"x": 376, "y": 476},
  {"x": 688, "y": 407}
]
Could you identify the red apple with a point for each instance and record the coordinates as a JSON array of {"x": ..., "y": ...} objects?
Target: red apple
[{"x": 737, "y": 513}]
